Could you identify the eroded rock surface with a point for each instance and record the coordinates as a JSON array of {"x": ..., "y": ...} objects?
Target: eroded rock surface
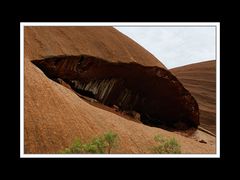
[
  {"x": 200, "y": 80},
  {"x": 153, "y": 92}
]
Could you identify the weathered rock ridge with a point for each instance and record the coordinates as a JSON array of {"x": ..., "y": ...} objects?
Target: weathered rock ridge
[
  {"x": 200, "y": 80},
  {"x": 153, "y": 92}
]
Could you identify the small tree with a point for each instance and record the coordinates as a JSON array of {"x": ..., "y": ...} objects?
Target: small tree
[
  {"x": 90, "y": 148},
  {"x": 166, "y": 146},
  {"x": 111, "y": 140},
  {"x": 98, "y": 145},
  {"x": 75, "y": 148}
]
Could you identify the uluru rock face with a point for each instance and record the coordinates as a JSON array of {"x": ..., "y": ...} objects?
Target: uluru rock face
[
  {"x": 105, "y": 42},
  {"x": 200, "y": 80},
  {"x": 54, "y": 115},
  {"x": 151, "y": 91}
]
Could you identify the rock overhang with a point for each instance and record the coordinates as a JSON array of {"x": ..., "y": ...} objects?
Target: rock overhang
[{"x": 153, "y": 92}]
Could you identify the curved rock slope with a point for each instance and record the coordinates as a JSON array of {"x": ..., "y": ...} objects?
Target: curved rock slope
[{"x": 200, "y": 80}]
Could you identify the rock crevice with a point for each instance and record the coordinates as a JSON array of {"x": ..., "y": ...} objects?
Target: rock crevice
[{"x": 153, "y": 92}]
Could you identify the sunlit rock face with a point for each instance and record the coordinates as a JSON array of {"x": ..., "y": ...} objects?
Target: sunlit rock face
[{"x": 153, "y": 92}]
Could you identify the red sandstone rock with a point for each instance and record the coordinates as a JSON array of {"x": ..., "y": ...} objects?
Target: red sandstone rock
[{"x": 200, "y": 80}]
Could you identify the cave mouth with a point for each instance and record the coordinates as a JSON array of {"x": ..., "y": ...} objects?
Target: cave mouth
[{"x": 151, "y": 94}]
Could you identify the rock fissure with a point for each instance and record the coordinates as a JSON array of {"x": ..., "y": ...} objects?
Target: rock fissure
[{"x": 153, "y": 92}]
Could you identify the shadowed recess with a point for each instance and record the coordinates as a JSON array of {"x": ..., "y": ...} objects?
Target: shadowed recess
[{"x": 153, "y": 92}]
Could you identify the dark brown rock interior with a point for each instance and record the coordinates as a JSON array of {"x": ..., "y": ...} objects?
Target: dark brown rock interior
[{"x": 153, "y": 92}]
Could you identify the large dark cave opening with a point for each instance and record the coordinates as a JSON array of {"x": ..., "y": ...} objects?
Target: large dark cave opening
[{"x": 153, "y": 92}]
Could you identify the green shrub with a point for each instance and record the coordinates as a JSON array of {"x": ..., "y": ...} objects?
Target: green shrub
[
  {"x": 76, "y": 147},
  {"x": 99, "y": 145},
  {"x": 105, "y": 143},
  {"x": 111, "y": 140},
  {"x": 166, "y": 146}
]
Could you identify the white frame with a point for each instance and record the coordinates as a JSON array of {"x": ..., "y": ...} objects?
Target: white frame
[{"x": 165, "y": 24}]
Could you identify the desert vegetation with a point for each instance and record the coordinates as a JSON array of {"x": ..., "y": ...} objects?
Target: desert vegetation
[
  {"x": 99, "y": 145},
  {"x": 166, "y": 146},
  {"x": 105, "y": 143}
]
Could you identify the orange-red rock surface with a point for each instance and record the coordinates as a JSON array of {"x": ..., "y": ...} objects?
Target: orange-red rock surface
[{"x": 200, "y": 80}]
